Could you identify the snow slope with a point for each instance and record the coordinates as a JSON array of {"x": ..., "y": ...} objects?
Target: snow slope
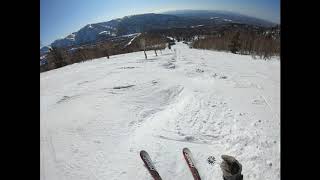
[{"x": 97, "y": 115}]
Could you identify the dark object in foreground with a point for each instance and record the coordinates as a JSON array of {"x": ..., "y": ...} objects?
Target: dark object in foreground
[
  {"x": 211, "y": 160},
  {"x": 231, "y": 168},
  {"x": 188, "y": 157},
  {"x": 149, "y": 165}
]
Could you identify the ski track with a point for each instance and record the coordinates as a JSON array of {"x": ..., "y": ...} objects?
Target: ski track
[{"x": 96, "y": 116}]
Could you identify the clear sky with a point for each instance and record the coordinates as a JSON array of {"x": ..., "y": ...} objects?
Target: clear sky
[{"x": 58, "y": 18}]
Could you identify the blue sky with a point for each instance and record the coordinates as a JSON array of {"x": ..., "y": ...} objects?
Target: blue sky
[{"x": 58, "y": 18}]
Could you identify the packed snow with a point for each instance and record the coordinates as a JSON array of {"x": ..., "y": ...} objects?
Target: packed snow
[
  {"x": 129, "y": 35},
  {"x": 96, "y": 116},
  {"x": 104, "y": 32},
  {"x": 135, "y": 36},
  {"x": 197, "y": 26},
  {"x": 227, "y": 20}
]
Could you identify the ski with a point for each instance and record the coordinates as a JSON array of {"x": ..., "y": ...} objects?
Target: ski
[
  {"x": 188, "y": 157},
  {"x": 149, "y": 165}
]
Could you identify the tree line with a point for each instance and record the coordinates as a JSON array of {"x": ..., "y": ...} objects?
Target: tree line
[
  {"x": 59, "y": 57},
  {"x": 237, "y": 38},
  {"x": 263, "y": 44}
]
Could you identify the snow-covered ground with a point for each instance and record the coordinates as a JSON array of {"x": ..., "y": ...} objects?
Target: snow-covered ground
[{"x": 97, "y": 115}]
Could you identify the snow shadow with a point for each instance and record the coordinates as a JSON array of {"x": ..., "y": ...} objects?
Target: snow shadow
[
  {"x": 169, "y": 65},
  {"x": 122, "y": 87},
  {"x": 66, "y": 98},
  {"x": 129, "y": 67}
]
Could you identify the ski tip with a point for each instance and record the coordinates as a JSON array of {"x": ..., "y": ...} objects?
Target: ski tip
[
  {"x": 185, "y": 149},
  {"x": 143, "y": 152}
]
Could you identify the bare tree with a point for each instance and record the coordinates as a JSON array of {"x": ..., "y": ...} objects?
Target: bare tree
[
  {"x": 57, "y": 55},
  {"x": 235, "y": 43},
  {"x": 156, "y": 42},
  {"x": 143, "y": 46},
  {"x": 106, "y": 47}
]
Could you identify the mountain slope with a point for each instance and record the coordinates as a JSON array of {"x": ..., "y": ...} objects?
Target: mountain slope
[
  {"x": 123, "y": 26},
  {"x": 221, "y": 16},
  {"x": 88, "y": 33},
  {"x": 44, "y": 50},
  {"x": 145, "y": 22}
]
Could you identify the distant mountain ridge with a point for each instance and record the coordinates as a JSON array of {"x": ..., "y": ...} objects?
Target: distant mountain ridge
[
  {"x": 233, "y": 16},
  {"x": 145, "y": 22}
]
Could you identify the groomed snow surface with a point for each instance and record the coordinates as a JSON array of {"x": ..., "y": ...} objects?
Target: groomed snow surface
[{"x": 96, "y": 116}]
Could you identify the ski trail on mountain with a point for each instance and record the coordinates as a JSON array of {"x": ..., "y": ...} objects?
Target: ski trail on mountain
[{"x": 98, "y": 115}]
